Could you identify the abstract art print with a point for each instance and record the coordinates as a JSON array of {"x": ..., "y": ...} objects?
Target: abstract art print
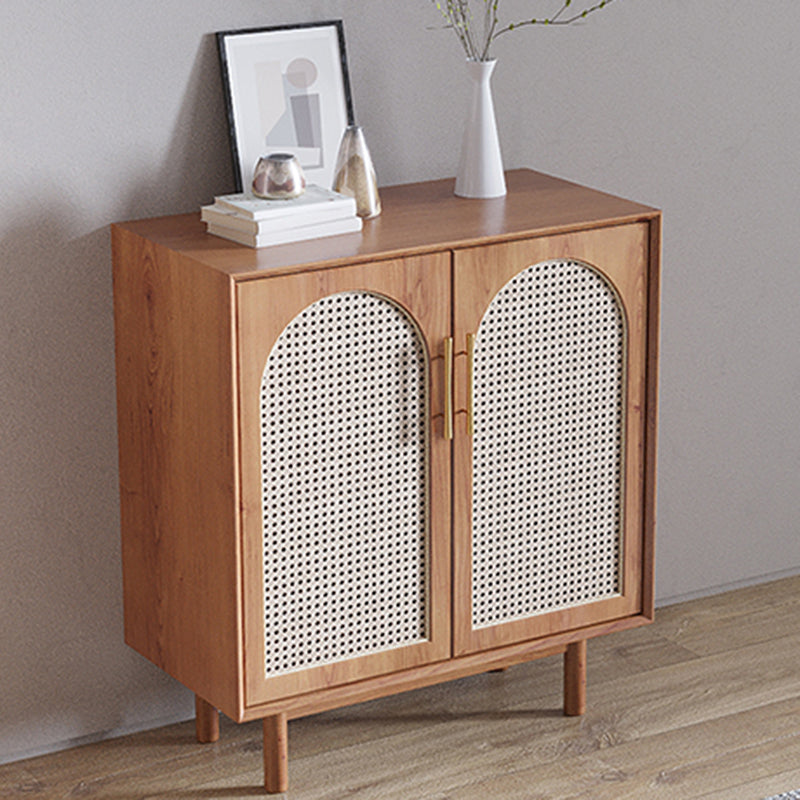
[{"x": 287, "y": 91}]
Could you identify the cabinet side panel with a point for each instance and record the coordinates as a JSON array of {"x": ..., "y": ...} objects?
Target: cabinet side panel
[
  {"x": 177, "y": 466},
  {"x": 651, "y": 414}
]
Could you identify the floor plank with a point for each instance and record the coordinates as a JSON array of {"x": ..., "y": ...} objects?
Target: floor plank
[
  {"x": 755, "y": 615},
  {"x": 705, "y": 703},
  {"x": 758, "y": 789}
]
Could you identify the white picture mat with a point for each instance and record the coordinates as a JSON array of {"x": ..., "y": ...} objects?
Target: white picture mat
[{"x": 257, "y": 63}]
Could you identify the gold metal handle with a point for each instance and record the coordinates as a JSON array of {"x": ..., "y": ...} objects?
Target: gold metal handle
[
  {"x": 448, "y": 387},
  {"x": 470, "y": 384}
]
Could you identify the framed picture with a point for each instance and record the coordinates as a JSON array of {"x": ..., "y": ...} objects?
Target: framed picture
[{"x": 288, "y": 91}]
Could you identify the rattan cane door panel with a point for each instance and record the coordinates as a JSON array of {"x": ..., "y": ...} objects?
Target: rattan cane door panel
[
  {"x": 345, "y": 474},
  {"x": 548, "y": 516}
]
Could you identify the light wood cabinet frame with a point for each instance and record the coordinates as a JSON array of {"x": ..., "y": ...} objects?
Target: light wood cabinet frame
[
  {"x": 421, "y": 287},
  {"x": 195, "y": 318},
  {"x": 620, "y": 255}
]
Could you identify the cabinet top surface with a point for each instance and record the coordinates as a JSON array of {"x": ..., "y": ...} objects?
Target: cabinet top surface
[{"x": 417, "y": 218}]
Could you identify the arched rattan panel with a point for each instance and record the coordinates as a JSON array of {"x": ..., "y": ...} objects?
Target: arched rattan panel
[
  {"x": 549, "y": 378},
  {"x": 344, "y": 435}
]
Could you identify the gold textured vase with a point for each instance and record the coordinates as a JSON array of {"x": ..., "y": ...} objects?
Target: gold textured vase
[{"x": 354, "y": 174}]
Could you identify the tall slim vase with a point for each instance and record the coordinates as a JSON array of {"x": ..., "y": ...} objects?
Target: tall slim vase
[{"x": 480, "y": 169}]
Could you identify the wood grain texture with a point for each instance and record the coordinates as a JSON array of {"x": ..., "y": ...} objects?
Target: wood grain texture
[
  {"x": 664, "y": 722},
  {"x": 622, "y": 255},
  {"x": 196, "y": 318},
  {"x": 421, "y": 286},
  {"x": 705, "y": 628},
  {"x": 416, "y": 219},
  {"x": 337, "y": 695},
  {"x": 177, "y": 461},
  {"x": 650, "y": 440},
  {"x": 206, "y": 721},
  {"x": 403, "y": 681},
  {"x": 276, "y": 753},
  {"x": 575, "y": 679}
]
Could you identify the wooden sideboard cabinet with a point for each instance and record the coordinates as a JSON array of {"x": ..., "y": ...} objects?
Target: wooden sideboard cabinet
[{"x": 359, "y": 465}]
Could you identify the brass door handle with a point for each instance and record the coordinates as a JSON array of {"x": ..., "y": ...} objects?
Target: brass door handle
[
  {"x": 470, "y": 384},
  {"x": 448, "y": 387}
]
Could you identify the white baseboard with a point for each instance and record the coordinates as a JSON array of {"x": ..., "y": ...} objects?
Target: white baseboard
[
  {"x": 727, "y": 587},
  {"x": 91, "y": 738}
]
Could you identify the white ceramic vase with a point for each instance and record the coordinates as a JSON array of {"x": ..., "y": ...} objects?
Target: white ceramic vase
[{"x": 480, "y": 169}]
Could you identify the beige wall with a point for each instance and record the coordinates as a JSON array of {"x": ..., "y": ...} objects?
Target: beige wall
[{"x": 112, "y": 110}]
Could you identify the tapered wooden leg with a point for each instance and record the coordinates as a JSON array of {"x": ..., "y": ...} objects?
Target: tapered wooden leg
[
  {"x": 206, "y": 721},
  {"x": 575, "y": 679},
  {"x": 276, "y": 754}
]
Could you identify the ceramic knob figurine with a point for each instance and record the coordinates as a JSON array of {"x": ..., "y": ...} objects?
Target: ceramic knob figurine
[
  {"x": 354, "y": 174},
  {"x": 278, "y": 176}
]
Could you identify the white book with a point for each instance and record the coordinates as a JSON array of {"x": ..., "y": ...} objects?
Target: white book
[
  {"x": 231, "y": 219},
  {"x": 314, "y": 205},
  {"x": 287, "y": 235}
]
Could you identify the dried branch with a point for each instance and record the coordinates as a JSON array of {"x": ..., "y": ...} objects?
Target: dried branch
[
  {"x": 458, "y": 16},
  {"x": 555, "y": 19}
]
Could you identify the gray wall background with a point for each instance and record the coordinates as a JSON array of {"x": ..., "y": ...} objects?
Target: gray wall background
[{"x": 113, "y": 110}]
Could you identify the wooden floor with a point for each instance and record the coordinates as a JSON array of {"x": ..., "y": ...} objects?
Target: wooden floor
[{"x": 704, "y": 703}]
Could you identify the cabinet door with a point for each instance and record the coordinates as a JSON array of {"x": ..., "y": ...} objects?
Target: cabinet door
[
  {"x": 345, "y": 474},
  {"x": 548, "y": 478}
]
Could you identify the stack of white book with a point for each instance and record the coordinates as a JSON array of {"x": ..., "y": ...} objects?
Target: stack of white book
[{"x": 257, "y": 222}]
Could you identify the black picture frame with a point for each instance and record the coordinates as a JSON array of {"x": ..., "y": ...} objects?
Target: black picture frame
[{"x": 287, "y": 89}]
